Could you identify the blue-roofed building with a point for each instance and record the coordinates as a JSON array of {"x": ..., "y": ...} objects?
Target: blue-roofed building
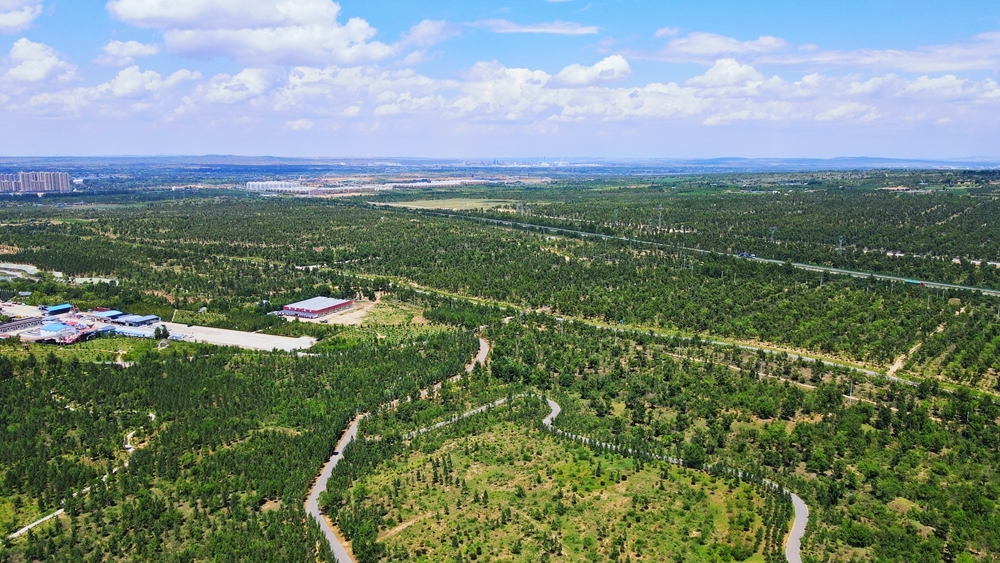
[
  {"x": 56, "y": 330},
  {"x": 53, "y": 310},
  {"x": 108, "y": 315}
]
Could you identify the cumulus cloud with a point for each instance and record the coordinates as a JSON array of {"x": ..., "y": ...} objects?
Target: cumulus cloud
[
  {"x": 726, "y": 72},
  {"x": 226, "y": 89},
  {"x": 257, "y": 31},
  {"x": 36, "y": 62},
  {"x": 132, "y": 81},
  {"x": 132, "y": 89},
  {"x": 611, "y": 68},
  {"x": 18, "y": 15},
  {"x": 557, "y": 27},
  {"x": 118, "y": 53}
]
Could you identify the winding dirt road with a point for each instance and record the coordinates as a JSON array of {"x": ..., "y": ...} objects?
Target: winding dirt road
[{"x": 792, "y": 546}]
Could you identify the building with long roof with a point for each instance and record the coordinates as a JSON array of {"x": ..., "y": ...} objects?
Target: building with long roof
[{"x": 316, "y": 307}]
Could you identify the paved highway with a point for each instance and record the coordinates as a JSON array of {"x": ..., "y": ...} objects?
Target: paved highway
[{"x": 810, "y": 267}]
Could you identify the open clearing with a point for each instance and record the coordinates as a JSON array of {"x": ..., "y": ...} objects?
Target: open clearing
[
  {"x": 247, "y": 340},
  {"x": 516, "y": 494},
  {"x": 455, "y": 204},
  {"x": 382, "y": 311}
]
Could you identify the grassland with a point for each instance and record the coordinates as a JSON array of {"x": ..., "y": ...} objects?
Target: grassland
[{"x": 516, "y": 494}]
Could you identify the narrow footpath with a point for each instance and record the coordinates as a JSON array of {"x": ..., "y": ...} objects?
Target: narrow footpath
[{"x": 129, "y": 448}]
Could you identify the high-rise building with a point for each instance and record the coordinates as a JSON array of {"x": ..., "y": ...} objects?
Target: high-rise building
[
  {"x": 39, "y": 182},
  {"x": 9, "y": 183}
]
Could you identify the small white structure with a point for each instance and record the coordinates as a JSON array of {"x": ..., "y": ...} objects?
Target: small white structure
[{"x": 277, "y": 187}]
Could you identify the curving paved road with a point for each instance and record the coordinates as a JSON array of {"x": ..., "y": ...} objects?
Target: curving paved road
[
  {"x": 312, "y": 501},
  {"x": 792, "y": 547}
]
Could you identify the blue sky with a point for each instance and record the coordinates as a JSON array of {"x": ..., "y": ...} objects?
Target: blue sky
[{"x": 615, "y": 78}]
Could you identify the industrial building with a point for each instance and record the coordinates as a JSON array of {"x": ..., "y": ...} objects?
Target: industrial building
[
  {"x": 23, "y": 324},
  {"x": 35, "y": 182},
  {"x": 53, "y": 310},
  {"x": 316, "y": 307},
  {"x": 107, "y": 315},
  {"x": 56, "y": 331},
  {"x": 278, "y": 187},
  {"x": 136, "y": 320}
]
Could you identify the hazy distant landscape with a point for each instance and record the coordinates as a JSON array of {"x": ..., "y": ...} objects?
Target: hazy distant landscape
[
  {"x": 726, "y": 349},
  {"x": 474, "y": 282}
]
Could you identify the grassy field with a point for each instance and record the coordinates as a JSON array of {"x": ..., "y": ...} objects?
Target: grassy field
[{"x": 516, "y": 494}]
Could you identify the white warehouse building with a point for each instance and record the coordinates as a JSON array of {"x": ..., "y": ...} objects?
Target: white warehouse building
[{"x": 286, "y": 187}]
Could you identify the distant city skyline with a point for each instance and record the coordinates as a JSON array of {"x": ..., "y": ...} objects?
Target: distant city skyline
[
  {"x": 35, "y": 182},
  {"x": 565, "y": 78}
]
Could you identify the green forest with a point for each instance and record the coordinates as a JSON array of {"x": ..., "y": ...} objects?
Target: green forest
[{"x": 877, "y": 403}]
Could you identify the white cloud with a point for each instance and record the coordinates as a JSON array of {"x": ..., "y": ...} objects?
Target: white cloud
[
  {"x": 492, "y": 88},
  {"x": 36, "y": 62},
  {"x": 226, "y": 89},
  {"x": 982, "y": 52},
  {"x": 132, "y": 81},
  {"x": 223, "y": 14},
  {"x": 611, "y": 68},
  {"x": 557, "y": 27},
  {"x": 299, "y": 125},
  {"x": 667, "y": 31},
  {"x": 257, "y": 31},
  {"x": 727, "y": 72},
  {"x": 118, "y": 53},
  {"x": 131, "y": 90},
  {"x": 430, "y": 32},
  {"x": 18, "y": 15},
  {"x": 700, "y": 45}
]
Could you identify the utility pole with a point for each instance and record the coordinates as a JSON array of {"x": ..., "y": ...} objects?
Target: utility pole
[
  {"x": 840, "y": 245},
  {"x": 661, "y": 217},
  {"x": 616, "y": 218},
  {"x": 773, "y": 229}
]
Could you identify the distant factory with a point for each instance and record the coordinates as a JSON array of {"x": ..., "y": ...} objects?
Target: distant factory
[
  {"x": 278, "y": 187},
  {"x": 35, "y": 183},
  {"x": 315, "y": 308}
]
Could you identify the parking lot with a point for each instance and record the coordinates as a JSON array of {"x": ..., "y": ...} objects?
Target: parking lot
[{"x": 247, "y": 340}]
